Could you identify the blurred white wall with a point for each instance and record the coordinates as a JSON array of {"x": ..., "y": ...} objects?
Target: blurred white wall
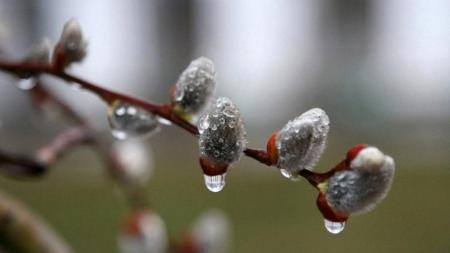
[
  {"x": 411, "y": 55},
  {"x": 264, "y": 51}
]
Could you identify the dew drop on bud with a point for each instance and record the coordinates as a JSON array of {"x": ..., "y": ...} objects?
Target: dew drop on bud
[
  {"x": 288, "y": 174},
  {"x": 26, "y": 84},
  {"x": 127, "y": 120},
  {"x": 334, "y": 227},
  {"x": 203, "y": 124},
  {"x": 215, "y": 183}
]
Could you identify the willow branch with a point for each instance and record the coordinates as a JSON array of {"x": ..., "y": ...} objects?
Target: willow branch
[
  {"x": 109, "y": 96},
  {"x": 106, "y": 95},
  {"x": 42, "y": 96},
  {"x": 23, "y": 231},
  {"x": 63, "y": 143},
  {"x": 18, "y": 165}
]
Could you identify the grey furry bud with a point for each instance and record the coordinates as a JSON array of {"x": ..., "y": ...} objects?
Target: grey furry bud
[
  {"x": 301, "y": 142},
  {"x": 195, "y": 86},
  {"x": 211, "y": 232},
  {"x": 222, "y": 133},
  {"x": 364, "y": 185},
  {"x": 39, "y": 52},
  {"x": 72, "y": 42},
  {"x": 143, "y": 231}
]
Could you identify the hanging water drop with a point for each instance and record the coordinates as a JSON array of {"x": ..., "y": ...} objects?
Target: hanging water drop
[
  {"x": 127, "y": 120},
  {"x": 164, "y": 121},
  {"x": 288, "y": 174},
  {"x": 26, "y": 84},
  {"x": 215, "y": 183},
  {"x": 75, "y": 86},
  {"x": 334, "y": 227}
]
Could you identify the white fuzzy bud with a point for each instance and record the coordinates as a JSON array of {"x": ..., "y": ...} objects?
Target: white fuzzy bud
[
  {"x": 301, "y": 142},
  {"x": 39, "y": 52},
  {"x": 143, "y": 232},
  {"x": 361, "y": 188},
  {"x": 211, "y": 232},
  {"x": 136, "y": 159},
  {"x": 195, "y": 86},
  {"x": 222, "y": 134},
  {"x": 72, "y": 42}
]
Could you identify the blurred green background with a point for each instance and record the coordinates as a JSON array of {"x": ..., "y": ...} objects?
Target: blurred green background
[
  {"x": 379, "y": 68},
  {"x": 268, "y": 213}
]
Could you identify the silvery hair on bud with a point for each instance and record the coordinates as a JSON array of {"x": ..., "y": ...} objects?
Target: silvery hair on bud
[
  {"x": 72, "y": 41},
  {"x": 301, "y": 141},
  {"x": 361, "y": 188},
  {"x": 195, "y": 85},
  {"x": 39, "y": 52},
  {"x": 222, "y": 133}
]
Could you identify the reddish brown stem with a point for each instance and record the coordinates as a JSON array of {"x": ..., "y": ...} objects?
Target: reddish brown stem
[
  {"x": 40, "y": 96},
  {"x": 164, "y": 111},
  {"x": 259, "y": 155},
  {"x": 315, "y": 178},
  {"x": 109, "y": 96},
  {"x": 17, "y": 165},
  {"x": 62, "y": 143}
]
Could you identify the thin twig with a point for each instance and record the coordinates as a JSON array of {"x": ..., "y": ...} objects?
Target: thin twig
[
  {"x": 23, "y": 231},
  {"x": 164, "y": 111},
  {"x": 64, "y": 142},
  {"x": 18, "y": 165}
]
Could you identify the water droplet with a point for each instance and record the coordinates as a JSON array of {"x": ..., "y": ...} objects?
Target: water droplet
[
  {"x": 26, "y": 84},
  {"x": 127, "y": 120},
  {"x": 229, "y": 112},
  {"x": 334, "y": 227},
  {"x": 215, "y": 183},
  {"x": 203, "y": 124},
  {"x": 75, "y": 86},
  {"x": 288, "y": 174},
  {"x": 164, "y": 121},
  {"x": 179, "y": 94}
]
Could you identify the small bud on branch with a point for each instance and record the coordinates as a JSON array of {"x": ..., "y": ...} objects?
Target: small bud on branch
[{"x": 194, "y": 87}]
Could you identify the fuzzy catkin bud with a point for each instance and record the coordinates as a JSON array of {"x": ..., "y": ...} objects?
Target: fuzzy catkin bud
[
  {"x": 301, "y": 141},
  {"x": 136, "y": 160},
  {"x": 195, "y": 86},
  {"x": 72, "y": 43},
  {"x": 211, "y": 232},
  {"x": 39, "y": 52},
  {"x": 364, "y": 185},
  {"x": 143, "y": 232},
  {"x": 222, "y": 133}
]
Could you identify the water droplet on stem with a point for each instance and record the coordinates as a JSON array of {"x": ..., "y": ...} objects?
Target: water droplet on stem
[
  {"x": 75, "y": 86},
  {"x": 334, "y": 227},
  {"x": 164, "y": 121},
  {"x": 26, "y": 84},
  {"x": 127, "y": 120}
]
